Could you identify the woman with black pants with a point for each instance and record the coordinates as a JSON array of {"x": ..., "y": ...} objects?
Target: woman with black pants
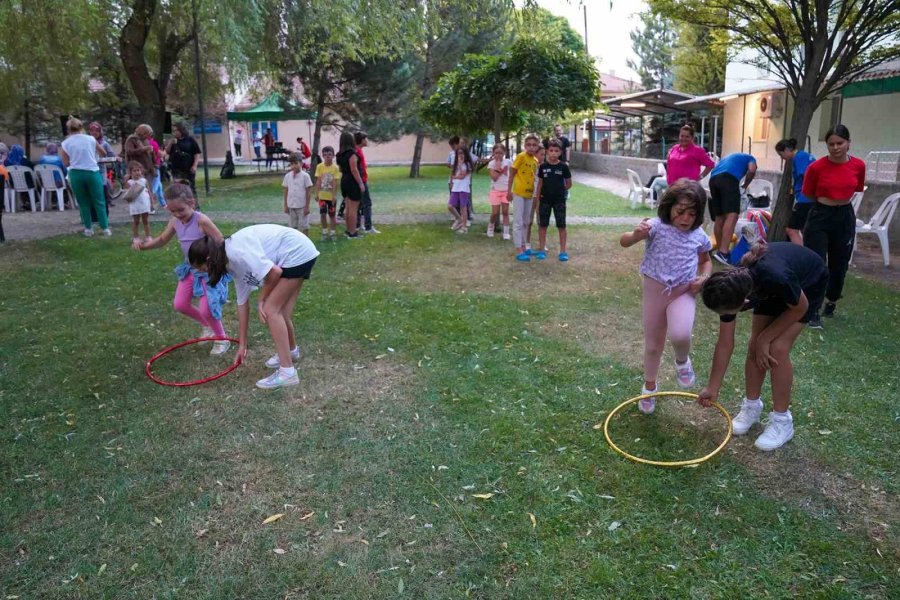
[
  {"x": 831, "y": 225},
  {"x": 351, "y": 181}
]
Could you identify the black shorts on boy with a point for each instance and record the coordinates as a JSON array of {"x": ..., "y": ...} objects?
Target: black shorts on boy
[
  {"x": 799, "y": 214},
  {"x": 724, "y": 195},
  {"x": 555, "y": 205}
]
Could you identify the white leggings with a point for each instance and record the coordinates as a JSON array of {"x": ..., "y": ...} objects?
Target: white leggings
[
  {"x": 669, "y": 313},
  {"x": 521, "y": 219}
]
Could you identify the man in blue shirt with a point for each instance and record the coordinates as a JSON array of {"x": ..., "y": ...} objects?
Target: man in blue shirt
[
  {"x": 725, "y": 190},
  {"x": 800, "y": 161}
]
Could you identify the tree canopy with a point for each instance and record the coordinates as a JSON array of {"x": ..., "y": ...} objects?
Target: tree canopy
[{"x": 653, "y": 44}]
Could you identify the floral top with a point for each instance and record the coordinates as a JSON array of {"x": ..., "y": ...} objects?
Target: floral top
[{"x": 672, "y": 255}]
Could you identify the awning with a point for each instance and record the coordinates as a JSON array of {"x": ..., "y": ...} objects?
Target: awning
[
  {"x": 271, "y": 109},
  {"x": 719, "y": 98},
  {"x": 649, "y": 103}
]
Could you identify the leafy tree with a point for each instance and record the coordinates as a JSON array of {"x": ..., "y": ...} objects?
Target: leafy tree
[
  {"x": 700, "y": 59},
  {"x": 813, "y": 46},
  {"x": 653, "y": 44},
  {"x": 497, "y": 92}
]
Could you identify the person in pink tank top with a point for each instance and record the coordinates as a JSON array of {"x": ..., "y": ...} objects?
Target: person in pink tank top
[{"x": 189, "y": 225}]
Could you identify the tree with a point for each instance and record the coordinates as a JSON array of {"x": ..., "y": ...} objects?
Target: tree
[
  {"x": 497, "y": 92},
  {"x": 699, "y": 60},
  {"x": 813, "y": 46},
  {"x": 653, "y": 45}
]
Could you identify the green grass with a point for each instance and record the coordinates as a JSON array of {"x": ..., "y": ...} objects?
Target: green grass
[
  {"x": 393, "y": 192},
  {"x": 434, "y": 368}
]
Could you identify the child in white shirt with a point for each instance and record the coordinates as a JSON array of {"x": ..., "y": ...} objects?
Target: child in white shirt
[{"x": 297, "y": 186}]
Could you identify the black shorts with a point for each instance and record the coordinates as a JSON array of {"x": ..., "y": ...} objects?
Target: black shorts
[
  {"x": 799, "y": 214},
  {"x": 298, "y": 272},
  {"x": 326, "y": 207},
  {"x": 724, "y": 195},
  {"x": 350, "y": 189},
  {"x": 815, "y": 295},
  {"x": 557, "y": 206}
]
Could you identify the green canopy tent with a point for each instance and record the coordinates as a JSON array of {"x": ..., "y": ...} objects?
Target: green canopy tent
[{"x": 271, "y": 109}]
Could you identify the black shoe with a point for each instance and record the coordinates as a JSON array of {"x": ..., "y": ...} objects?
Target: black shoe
[
  {"x": 829, "y": 309},
  {"x": 815, "y": 323}
]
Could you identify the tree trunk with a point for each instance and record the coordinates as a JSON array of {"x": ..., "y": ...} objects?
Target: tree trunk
[
  {"x": 804, "y": 106},
  {"x": 426, "y": 90},
  {"x": 417, "y": 156},
  {"x": 27, "y": 118},
  {"x": 317, "y": 132},
  {"x": 498, "y": 123}
]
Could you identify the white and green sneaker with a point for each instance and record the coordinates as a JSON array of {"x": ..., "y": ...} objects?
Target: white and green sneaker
[
  {"x": 274, "y": 362},
  {"x": 280, "y": 378}
]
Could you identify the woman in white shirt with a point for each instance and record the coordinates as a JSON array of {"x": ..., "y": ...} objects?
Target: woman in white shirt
[
  {"x": 79, "y": 154},
  {"x": 277, "y": 259}
]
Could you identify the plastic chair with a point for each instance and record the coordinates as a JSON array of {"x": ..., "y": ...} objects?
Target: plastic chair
[
  {"x": 856, "y": 200},
  {"x": 17, "y": 174},
  {"x": 879, "y": 224},
  {"x": 52, "y": 180},
  {"x": 638, "y": 193}
]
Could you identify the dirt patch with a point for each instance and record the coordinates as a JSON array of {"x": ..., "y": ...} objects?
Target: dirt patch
[
  {"x": 869, "y": 263},
  {"x": 605, "y": 334}
]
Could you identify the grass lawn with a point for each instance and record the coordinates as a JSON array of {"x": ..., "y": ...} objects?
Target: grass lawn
[
  {"x": 395, "y": 193},
  {"x": 442, "y": 443}
]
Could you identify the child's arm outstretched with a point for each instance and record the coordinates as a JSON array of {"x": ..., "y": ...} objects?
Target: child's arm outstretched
[
  {"x": 160, "y": 241},
  {"x": 721, "y": 358},
  {"x": 641, "y": 232}
]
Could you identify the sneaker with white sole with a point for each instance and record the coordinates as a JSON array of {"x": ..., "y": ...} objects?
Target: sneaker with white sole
[
  {"x": 88, "y": 232},
  {"x": 647, "y": 405},
  {"x": 372, "y": 230},
  {"x": 684, "y": 374},
  {"x": 490, "y": 230},
  {"x": 206, "y": 332},
  {"x": 506, "y": 233},
  {"x": 749, "y": 414},
  {"x": 778, "y": 432},
  {"x": 107, "y": 232},
  {"x": 220, "y": 348},
  {"x": 274, "y": 362},
  {"x": 279, "y": 379}
]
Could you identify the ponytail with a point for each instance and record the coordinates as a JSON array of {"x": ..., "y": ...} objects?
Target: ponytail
[
  {"x": 754, "y": 254},
  {"x": 727, "y": 290},
  {"x": 786, "y": 144},
  {"x": 211, "y": 254}
]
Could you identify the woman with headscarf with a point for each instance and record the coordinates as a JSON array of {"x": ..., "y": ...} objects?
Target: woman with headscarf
[{"x": 17, "y": 158}]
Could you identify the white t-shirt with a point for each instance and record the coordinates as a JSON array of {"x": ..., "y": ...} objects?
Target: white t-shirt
[
  {"x": 464, "y": 184},
  {"x": 82, "y": 151},
  {"x": 296, "y": 186},
  {"x": 254, "y": 250},
  {"x": 502, "y": 183}
]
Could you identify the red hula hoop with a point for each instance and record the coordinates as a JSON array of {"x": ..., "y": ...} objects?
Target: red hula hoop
[{"x": 198, "y": 381}]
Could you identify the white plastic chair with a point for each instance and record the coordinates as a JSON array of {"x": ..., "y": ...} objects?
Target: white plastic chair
[
  {"x": 713, "y": 156},
  {"x": 879, "y": 224},
  {"x": 20, "y": 185},
  {"x": 856, "y": 200},
  {"x": 638, "y": 193},
  {"x": 52, "y": 180},
  {"x": 762, "y": 185}
]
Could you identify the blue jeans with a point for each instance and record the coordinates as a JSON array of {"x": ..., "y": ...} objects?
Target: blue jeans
[{"x": 157, "y": 189}]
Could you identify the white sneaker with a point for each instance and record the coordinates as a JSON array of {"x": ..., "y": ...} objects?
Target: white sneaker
[
  {"x": 490, "y": 231},
  {"x": 684, "y": 374},
  {"x": 372, "y": 230},
  {"x": 462, "y": 230},
  {"x": 506, "y": 233},
  {"x": 647, "y": 405},
  {"x": 88, "y": 232},
  {"x": 220, "y": 348},
  {"x": 279, "y": 379},
  {"x": 274, "y": 362},
  {"x": 778, "y": 432},
  {"x": 206, "y": 332},
  {"x": 749, "y": 414},
  {"x": 456, "y": 225},
  {"x": 107, "y": 232}
]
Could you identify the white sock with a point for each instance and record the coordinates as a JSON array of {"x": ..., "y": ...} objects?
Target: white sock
[
  {"x": 785, "y": 416},
  {"x": 754, "y": 401}
]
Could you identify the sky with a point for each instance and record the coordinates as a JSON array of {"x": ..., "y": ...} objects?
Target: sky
[{"x": 608, "y": 29}]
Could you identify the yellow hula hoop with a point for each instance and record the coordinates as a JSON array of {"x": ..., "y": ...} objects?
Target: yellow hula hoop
[{"x": 662, "y": 463}]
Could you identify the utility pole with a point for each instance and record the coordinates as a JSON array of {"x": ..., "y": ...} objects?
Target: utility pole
[{"x": 200, "y": 97}]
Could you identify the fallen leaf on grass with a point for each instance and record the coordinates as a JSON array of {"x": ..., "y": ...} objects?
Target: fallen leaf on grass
[
  {"x": 605, "y": 497},
  {"x": 272, "y": 519},
  {"x": 307, "y": 515},
  {"x": 533, "y": 520},
  {"x": 483, "y": 496},
  {"x": 101, "y": 569},
  {"x": 614, "y": 525},
  {"x": 157, "y": 521},
  {"x": 279, "y": 550},
  {"x": 599, "y": 425},
  {"x": 824, "y": 432}
]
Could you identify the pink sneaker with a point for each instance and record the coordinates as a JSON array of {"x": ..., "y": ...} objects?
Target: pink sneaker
[
  {"x": 647, "y": 405},
  {"x": 684, "y": 374}
]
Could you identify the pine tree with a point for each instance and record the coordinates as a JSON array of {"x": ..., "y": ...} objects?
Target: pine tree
[{"x": 653, "y": 43}]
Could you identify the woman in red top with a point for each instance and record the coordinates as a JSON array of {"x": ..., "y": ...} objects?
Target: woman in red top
[{"x": 831, "y": 225}]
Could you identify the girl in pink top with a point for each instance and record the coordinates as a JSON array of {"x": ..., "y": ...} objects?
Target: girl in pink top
[
  {"x": 686, "y": 159},
  {"x": 189, "y": 225}
]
